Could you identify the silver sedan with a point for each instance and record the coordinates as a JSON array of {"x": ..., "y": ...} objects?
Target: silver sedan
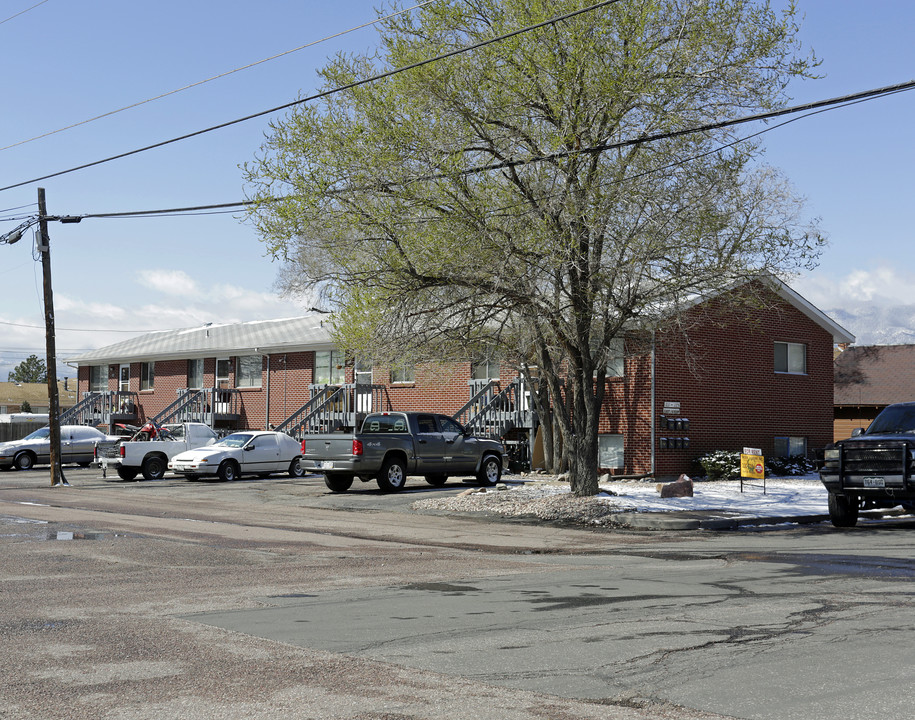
[{"x": 77, "y": 445}]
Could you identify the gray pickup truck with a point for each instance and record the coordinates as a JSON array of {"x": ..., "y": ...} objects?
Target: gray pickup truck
[{"x": 393, "y": 445}]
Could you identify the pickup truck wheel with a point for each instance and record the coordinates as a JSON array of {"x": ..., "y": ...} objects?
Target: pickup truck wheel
[
  {"x": 127, "y": 473},
  {"x": 295, "y": 468},
  {"x": 393, "y": 476},
  {"x": 436, "y": 480},
  {"x": 24, "y": 461},
  {"x": 843, "y": 510},
  {"x": 338, "y": 483},
  {"x": 490, "y": 470},
  {"x": 153, "y": 468},
  {"x": 228, "y": 471}
]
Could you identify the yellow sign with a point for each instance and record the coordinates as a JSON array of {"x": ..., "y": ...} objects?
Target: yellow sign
[{"x": 752, "y": 466}]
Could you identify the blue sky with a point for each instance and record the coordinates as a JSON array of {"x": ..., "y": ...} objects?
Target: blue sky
[{"x": 65, "y": 62}]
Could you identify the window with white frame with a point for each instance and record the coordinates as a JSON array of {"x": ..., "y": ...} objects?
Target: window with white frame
[
  {"x": 616, "y": 360},
  {"x": 248, "y": 372},
  {"x": 790, "y": 446},
  {"x": 791, "y": 358},
  {"x": 98, "y": 378},
  {"x": 330, "y": 367},
  {"x": 485, "y": 369},
  {"x": 147, "y": 375},
  {"x": 610, "y": 454},
  {"x": 195, "y": 373},
  {"x": 403, "y": 373},
  {"x": 222, "y": 372}
]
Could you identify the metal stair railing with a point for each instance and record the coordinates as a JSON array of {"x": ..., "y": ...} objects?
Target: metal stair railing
[
  {"x": 80, "y": 413},
  {"x": 188, "y": 407},
  {"x": 332, "y": 407},
  {"x": 479, "y": 399},
  {"x": 102, "y": 408},
  {"x": 505, "y": 411}
]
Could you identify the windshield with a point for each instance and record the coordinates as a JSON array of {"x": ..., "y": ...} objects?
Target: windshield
[
  {"x": 39, "y": 434},
  {"x": 235, "y": 440},
  {"x": 895, "y": 419}
]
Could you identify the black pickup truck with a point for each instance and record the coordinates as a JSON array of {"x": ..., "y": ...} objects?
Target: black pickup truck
[
  {"x": 392, "y": 445},
  {"x": 874, "y": 468}
]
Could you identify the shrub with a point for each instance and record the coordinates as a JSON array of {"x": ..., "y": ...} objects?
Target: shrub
[
  {"x": 721, "y": 465},
  {"x": 725, "y": 465},
  {"x": 794, "y": 465}
]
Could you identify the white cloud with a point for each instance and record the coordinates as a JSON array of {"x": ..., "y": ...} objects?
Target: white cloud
[{"x": 169, "y": 282}]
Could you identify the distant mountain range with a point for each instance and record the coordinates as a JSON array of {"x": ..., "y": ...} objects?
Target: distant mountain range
[{"x": 878, "y": 325}]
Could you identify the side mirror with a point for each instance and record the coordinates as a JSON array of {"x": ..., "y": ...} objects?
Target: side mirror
[{"x": 857, "y": 431}]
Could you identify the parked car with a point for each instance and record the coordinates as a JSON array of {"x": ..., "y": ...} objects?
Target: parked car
[
  {"x": 253, "y": 452},
  {"x": 392, "y": 445},
  {"x": 77, "y": 445}
]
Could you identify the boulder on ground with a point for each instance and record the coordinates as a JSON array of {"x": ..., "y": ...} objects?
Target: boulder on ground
[{"x": 683, "y": 487}]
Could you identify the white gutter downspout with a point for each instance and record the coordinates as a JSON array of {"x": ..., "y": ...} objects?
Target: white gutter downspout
[{"x": 267, "y": 409}]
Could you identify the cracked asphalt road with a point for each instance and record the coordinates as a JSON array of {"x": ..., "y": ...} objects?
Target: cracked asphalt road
[{"x": 275, "y": 598}]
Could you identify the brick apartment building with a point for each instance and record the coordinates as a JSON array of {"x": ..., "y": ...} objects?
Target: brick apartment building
[{"x": 758, "y": 377}]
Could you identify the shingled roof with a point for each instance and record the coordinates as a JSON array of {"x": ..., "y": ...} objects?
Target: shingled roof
[{"x": 875, "y": 375}]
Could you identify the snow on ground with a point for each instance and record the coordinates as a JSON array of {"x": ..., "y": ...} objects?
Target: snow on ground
[
  {"x": 783, "y": 497},
  {"x": 548, "y": 497}
]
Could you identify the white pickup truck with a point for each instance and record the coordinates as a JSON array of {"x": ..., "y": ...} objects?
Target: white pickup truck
[{"x": 130, "y": 457}]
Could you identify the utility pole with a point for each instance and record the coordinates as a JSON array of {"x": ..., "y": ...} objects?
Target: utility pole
[{"x": 44, "y": 247}]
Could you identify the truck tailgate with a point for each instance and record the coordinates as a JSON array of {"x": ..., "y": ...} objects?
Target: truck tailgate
[{"x": 318, "y": 451}]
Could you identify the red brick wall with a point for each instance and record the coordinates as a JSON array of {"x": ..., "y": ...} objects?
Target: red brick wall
[
  {"x": 725, "y": 382},
  {"x": 723, "y": 379}
]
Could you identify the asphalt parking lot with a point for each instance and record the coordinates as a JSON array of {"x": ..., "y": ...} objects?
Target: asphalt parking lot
[{"x": 273, "y": 597}]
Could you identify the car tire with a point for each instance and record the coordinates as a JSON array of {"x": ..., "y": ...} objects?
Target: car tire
[
  {"x": 228, "y": 471},
  {"x": 24, "y": 461},
  {"x": 490, "y": 471},
  {"x": 436, "y": 480},
  {"x": 153, "y": 468},
  {"x": 127, "y": 473},
  {"x": 843, "y": 510},
  {"x": 295, "y": 468},
  {"x": 338, "y": 483},
  {"x": 393, "y": 475}
]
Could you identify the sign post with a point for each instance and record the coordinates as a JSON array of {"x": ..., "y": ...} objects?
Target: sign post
[{"x": 753, "y": 467}]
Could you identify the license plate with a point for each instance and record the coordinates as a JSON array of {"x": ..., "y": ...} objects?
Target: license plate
[
  {"x": 874, "y": 482},
  {"x": 327, "y": 465}
]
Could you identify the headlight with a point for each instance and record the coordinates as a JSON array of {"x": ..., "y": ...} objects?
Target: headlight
[{"x": 832, "y": 455}]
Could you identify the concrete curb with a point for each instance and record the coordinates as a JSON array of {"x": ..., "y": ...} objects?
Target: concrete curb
[{"x": 706, "y": 520}]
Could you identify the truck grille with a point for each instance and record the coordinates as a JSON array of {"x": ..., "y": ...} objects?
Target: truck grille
[{"x": 875, "y": 460}]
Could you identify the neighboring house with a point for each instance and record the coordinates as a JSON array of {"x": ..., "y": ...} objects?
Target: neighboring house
[
  {"x": 14, "y": 394},
  {"x": 867, "y": 379},
  {"x": 757, "y": 377}
]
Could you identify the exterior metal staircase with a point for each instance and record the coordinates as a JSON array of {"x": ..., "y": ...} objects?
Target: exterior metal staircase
[
  {"x": 209, "y": 406},
  {"x": 102, "y": 408},
  {"x": 493, "y": 412},
  {"x": 333, "y": 407}
]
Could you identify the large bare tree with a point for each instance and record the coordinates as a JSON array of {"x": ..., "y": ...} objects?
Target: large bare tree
[{"x": 495, "y": 198}]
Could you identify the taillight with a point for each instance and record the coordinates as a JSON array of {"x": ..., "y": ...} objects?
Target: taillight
[
  {"x": 357, "y": 447},
  {"x": 303, "y": 446},
  {"x": 121, "y": 450}
]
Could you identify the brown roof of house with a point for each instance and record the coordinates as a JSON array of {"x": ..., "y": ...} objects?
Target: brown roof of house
[{"x": 875, "y": 375}]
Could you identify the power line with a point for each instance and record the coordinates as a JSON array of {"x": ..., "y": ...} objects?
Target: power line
[
  {"x": 215, "y": 77},
  {"x": 22, "y": 12},
  {"x": 41, "y": 327},
  {"x": 326, "y": 93},
  {"x": 810, "y": 109}
]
